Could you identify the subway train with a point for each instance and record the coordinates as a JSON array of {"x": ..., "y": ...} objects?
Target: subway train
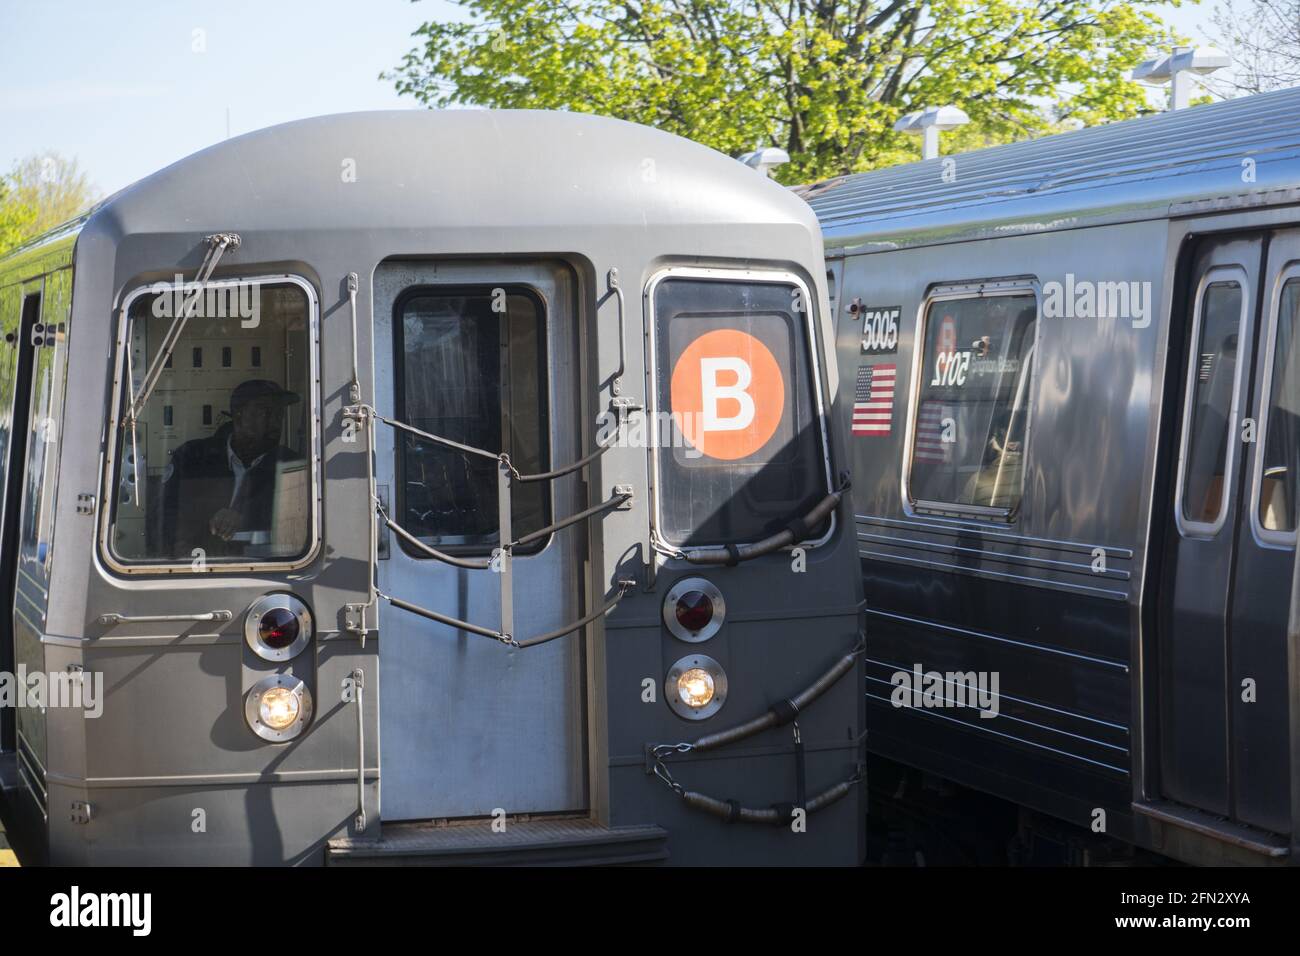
[
  {"x": 1073, "y": 423},
  {"x": 428, "y": 488}
]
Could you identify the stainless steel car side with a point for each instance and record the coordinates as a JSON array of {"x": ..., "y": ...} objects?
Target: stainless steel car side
[{"x": 1079, "y": 484}]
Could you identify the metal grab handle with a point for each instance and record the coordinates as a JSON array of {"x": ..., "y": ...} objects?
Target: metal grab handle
[
  {"x": 616, "y": 290},
  {"x": 734, "y": 554},
  {"x": 114, "y": 618},
  {"x": 358, "y": 697}
]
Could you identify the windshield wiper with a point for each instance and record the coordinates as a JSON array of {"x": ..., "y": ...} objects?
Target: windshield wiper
[{"x": 217, "y": 245}]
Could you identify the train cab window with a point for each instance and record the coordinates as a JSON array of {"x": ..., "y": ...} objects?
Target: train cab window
[
  {"x": 219, "y": 465},
  {"x": 740, "y": 450},
  {"x": 472, "y": 368},
  {"x": 972, "y": 418},
  {"x": 1276, "y": 480},
  {"x": 1212, "y": 384}
]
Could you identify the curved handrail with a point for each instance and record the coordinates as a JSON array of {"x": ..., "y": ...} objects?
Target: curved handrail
[
  {"x": 624, "y": 586},
  {"x": 797, "y": 530}
]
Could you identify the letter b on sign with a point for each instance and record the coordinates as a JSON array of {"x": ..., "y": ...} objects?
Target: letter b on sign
[
  {"x": 728, "y": 394},
  {"x": 714, "y": 393}
]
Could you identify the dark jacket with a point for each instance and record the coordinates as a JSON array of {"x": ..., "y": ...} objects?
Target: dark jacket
[{"x": 199, "y": 483}]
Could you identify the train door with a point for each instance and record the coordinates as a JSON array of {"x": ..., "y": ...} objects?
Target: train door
[
  {"x": 482, "y": 353},
  {"x": 1222, "y": 642},
  {"x": 37, "y": 422}
]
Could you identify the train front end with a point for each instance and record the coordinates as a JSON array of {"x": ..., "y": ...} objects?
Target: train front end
[{"x": 449, "y": 488}]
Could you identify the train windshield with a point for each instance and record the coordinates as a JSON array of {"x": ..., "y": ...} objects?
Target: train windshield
[
  {"x": 968, "y": 440},
  {"x": 741, "y": 448},
  {"x": 218, "y": 466}
]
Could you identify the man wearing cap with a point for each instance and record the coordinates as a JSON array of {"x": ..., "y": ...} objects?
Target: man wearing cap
[{"x": 219, "y": 491}]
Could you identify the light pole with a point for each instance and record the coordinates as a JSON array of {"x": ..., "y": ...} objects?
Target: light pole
[
  {"x": 929, "y": 123},
  {"x": 1176, "y": 68},
  {"x": 765, "y": 159}
]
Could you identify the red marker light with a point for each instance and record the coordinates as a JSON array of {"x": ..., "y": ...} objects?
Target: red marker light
[
  {"x": 694, "y": 611},
  {"x": 278, "y": 628}
]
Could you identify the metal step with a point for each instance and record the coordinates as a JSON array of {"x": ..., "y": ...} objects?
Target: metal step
[
  {"x": 547, "y": 841},
  {"x": 1266, "y": 844}
]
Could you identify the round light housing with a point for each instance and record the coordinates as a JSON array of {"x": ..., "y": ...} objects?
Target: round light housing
[
  {"x": 278, "y": 708},
  {"x": 277, "y": 627},
  {"x": 694, "y": 610},
  {"x": 696, "y": 687}
]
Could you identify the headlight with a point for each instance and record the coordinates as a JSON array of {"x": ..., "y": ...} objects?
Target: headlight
[
  {"x": 696, "y": 687},
  {"x": 278, "y": 708},
  {"x": 694, "y": 610},
  {"x": 277, "y": 627}
]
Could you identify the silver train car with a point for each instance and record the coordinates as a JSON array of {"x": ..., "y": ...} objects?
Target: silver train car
[
  {"x": 1070, "y": 378},
  {"x": 429, "y": 488}
]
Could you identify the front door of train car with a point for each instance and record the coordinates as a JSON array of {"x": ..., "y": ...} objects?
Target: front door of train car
[
  {"x": 1223, "y": 695},
  {"x": 484, "y": 354}
]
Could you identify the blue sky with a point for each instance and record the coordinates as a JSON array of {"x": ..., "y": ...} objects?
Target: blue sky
[{"x": 119, "y": 85}]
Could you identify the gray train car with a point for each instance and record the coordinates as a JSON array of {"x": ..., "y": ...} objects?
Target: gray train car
[
  {"x": 429, "y": 488},
  {"x": 1073, "y": 414}
]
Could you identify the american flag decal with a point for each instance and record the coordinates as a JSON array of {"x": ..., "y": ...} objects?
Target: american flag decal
[
  {"x": 930, "y": 446},
  {"x": 873, "y": 400}
]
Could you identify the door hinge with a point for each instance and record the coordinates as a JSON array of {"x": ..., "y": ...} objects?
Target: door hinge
[
  {"x": 81, "y": 812},
  {"x": 621, "y": 405},
  {"x": 85, "y": 504}
]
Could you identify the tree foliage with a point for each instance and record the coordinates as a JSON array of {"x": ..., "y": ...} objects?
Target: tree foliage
[
  {"x": 53, "y": 187},
  {"x": 16, "y": 219},
  {"x": 824, "y": 79},
  {"x": 1263, "y": 37}
]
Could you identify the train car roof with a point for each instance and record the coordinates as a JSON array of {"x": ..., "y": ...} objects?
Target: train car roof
[
  {"x": 423, "y": 169},
  {"x": 1189, "y": 161}
]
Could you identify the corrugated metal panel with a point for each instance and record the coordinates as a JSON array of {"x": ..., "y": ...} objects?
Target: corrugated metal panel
[{"x": 1121, "y": 170}]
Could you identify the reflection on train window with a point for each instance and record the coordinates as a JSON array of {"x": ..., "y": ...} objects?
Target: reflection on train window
[
  {"x": 218, "y": 466},
  {"x": 473, "y": 369},
  {"x": 1209, "y": 429},
  {"x": 45, "y": 414},
  {"x": 742, "y": 453},
  {"x": 1277, "y": 493},
  {"x": 968, "y": 440}
]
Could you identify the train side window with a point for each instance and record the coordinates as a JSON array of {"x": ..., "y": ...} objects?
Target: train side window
[
  {"x": 472, "y": 368},
  {"x": 219, "y": 468},
  {"x": 1212, "y": 386},
  {"x": 48, "y": 391},
  {"x": 1276, "y": 479},
  {"x": 971, "y": 422}
]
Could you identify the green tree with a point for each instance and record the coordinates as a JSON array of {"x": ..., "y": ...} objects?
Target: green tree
[
  {"x": 55, "y": 187},
  {"x": 825, "y": 79},
  {"x": 16, "y": 218}
]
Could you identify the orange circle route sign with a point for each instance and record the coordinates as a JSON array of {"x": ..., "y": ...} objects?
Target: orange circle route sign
[{"x": 728, "y": 394}]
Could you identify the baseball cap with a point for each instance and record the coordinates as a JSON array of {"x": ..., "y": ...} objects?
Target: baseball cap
[{"x": 261, "y": 388}]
